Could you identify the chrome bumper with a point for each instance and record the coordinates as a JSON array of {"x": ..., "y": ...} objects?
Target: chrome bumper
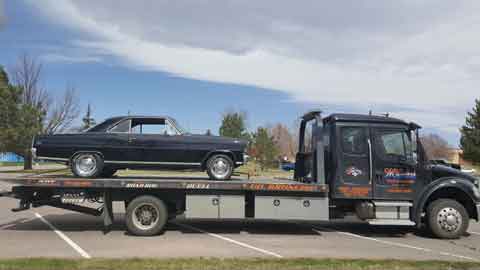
[{"x": 34, "y": 153}]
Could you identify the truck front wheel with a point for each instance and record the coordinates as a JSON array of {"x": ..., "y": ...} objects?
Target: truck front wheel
[
  {"x": 447, "y": 219},
  {"x": 146, "y": 216}
]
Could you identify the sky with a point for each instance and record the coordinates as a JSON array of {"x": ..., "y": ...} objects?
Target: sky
[{"x": 273, "y": 59}]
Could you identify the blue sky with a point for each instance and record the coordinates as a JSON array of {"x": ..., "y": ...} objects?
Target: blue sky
[{"x": 274, "y": 60}]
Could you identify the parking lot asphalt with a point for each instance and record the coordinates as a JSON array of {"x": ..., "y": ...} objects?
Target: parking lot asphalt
[{"x": 50, "y": 232}]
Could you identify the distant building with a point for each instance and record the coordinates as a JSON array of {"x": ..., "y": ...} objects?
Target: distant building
[{"x": 10, "y": 157}]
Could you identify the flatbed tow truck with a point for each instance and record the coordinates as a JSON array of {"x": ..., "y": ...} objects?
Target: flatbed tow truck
[{"x": 370, "y": 167}]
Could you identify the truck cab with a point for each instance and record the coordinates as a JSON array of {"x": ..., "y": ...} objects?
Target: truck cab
[{"x": 377, "y": 170}]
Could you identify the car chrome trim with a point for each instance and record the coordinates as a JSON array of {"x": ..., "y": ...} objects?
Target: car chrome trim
[
  {"x": 239, "y": 163},
  {"x": 53, "y": 158},
  {"x": 151, "y": 162}
]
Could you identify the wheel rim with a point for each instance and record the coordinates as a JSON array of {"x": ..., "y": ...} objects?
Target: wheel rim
[
  {"x": 145, "y": 216},
  {"x": 86, "y": 164},
  {"x": 449, "y": 219},
  {"x": 220, "y": 168}
]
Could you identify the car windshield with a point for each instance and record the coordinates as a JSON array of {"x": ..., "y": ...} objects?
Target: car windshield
[{"x": 179, "y": 128}]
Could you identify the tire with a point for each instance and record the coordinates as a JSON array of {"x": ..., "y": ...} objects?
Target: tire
[
  {"x": 220, "y": 167},
  {"x": 86, "y": 165},
  {"x": 108, "y": 172},
  {"x": 447, "y": 219},
  {"x": 155, "y": 215}
]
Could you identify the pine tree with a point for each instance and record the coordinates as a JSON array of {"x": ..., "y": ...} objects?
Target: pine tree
[
  {"x": 233, "y": 126},
  {"x": 470, "y": 139},
  {"x": 264, "y": 148},
  {"x": 88, "y": 120}
]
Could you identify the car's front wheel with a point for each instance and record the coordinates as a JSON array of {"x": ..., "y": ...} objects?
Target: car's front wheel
[
  {"x": 220, "y": 167},
  {"x": 87, "y": 165}
]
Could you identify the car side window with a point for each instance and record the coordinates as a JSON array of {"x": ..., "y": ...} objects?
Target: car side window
[
  {"x": 122, "y": 127},
  {"x": 155, "y": 126},
  {"x": 354, "y": 140}
]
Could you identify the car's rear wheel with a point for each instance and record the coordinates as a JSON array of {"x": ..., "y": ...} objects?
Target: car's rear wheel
[
  {"x": 146, "y": 216},
  {"x": 87, "y": 165},
  {"x": 220, "y": 167}
]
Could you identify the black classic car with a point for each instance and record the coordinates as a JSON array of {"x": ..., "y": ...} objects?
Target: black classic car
[{"x": 140, "y": 142}]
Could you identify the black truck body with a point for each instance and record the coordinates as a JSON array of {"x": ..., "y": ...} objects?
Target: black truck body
[{"x": 372, "y": 167}]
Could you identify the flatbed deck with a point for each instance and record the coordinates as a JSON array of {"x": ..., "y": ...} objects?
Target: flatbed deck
[{"x": 158, "y": 182}]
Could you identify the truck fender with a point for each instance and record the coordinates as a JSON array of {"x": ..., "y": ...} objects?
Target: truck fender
[{"x": 464, "y": 189}]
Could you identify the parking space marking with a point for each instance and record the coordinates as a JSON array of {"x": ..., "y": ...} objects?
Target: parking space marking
[
  {"x": 476, "y": 233},
  {"x": 230, "y": 240},
  {"x": 65, "y": 238},
  {"x": 390, "y": 243}
]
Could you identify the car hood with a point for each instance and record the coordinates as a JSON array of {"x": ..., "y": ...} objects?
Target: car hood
[{"x": 446, "y": 171}]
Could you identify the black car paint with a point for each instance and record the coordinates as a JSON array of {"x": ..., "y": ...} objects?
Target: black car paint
[{"x": 128, "y": 150}]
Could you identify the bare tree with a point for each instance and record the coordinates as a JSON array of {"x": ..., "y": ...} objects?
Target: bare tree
[
  {"x": 26, "y": 75},
  {"x": 55, "y": 116},
  {"x": 436, "y": 147},
  {"x": 61, "y": 115},
  {"x": 285, "y": 141}
]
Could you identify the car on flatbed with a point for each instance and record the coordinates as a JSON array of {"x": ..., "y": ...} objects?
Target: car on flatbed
[{"x": 141, "y": 142}]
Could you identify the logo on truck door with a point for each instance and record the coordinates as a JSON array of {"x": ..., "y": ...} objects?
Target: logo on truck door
[{"x": 353, "y": 171}]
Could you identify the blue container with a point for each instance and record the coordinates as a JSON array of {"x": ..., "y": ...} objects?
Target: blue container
[{"x": 10, "y": 157}]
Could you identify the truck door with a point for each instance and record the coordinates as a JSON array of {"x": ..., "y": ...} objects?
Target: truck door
[
  {"x": 394, "y": 171},
  {"x": 353, "y": 177}
]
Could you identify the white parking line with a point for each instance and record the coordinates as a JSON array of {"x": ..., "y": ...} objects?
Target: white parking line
[
  {"x": 65, "y": 238},
  {"x": 230, "y": 240},
  {"x": 390, "y": 243},
  {"x": 476, "y": 233}
]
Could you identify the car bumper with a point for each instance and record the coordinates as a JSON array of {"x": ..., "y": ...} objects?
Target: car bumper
[{"x": 34, "y": 153}]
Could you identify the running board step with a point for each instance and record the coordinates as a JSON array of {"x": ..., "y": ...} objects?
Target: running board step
[
  {"x": 391, "y": 222},
  {"x": 392, "y": 210}
]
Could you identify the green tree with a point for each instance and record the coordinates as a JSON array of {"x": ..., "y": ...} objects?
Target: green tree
[
  {"x": 233, "y": 125},
  {"x": 264, "y": 149},
  {"x": 20, "y": 122},
  {"x": 470, "y": 139},
  {"x": 88, "y": 121}
]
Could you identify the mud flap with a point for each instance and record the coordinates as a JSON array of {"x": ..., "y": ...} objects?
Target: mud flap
[{"x": 107, "y": 212}]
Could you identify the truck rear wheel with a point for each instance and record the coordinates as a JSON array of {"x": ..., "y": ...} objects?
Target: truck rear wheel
[
  {"x": 146, "y": 216},
  {"x": 447, "y": 219}
]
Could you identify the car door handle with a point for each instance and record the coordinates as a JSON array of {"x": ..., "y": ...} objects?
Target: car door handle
[{"x": 132, "y": 139}]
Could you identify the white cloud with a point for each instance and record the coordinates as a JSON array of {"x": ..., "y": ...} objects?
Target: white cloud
[{"x": 418, "y": 59}]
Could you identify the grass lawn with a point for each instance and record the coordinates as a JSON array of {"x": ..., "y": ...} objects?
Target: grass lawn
[
  {"x": 206, "y": 264},
  {"x": 5, "y": 164}
]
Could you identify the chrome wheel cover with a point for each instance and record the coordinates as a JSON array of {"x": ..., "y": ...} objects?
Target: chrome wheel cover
[
  {"x": 145, "y": 216},
  {"x": 86, "y": 164},
  {"x": 220, "y": 167},
  {"x": 449, "y": 219}
]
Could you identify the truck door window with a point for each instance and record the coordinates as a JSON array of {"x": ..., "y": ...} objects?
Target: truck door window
[
  {"x": 393, "y": 145},
  {"x": 354, "y": 140}
]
